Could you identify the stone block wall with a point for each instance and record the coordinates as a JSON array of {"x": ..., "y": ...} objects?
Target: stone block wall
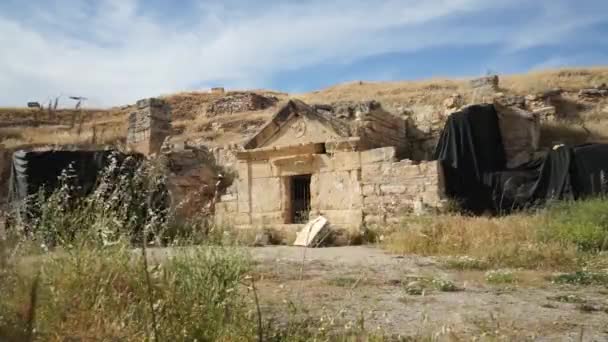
[
  {"x": 348, "y": 188},
  {"x": 149, "y": 125},
  {"x": 392, "y": 190}
]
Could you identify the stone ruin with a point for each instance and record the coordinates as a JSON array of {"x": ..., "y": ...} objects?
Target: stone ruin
[
  {"x": 352, "y": 153},
  {"x": 338, "y": 161},
  {"x": 237, "y": 102},
  {"x": 349, "y": 155},
  {"x": 149, "y": 126}
]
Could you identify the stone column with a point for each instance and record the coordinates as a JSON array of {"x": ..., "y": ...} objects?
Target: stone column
[{"x": 149, "y": 126}]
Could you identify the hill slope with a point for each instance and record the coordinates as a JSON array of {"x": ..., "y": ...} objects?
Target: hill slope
[{"x": 194, "y": 118}]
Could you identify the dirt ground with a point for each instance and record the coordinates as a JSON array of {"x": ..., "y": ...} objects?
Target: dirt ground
[{"x": 350, "y": 283}]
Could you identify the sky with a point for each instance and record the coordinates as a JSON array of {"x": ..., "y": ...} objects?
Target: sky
[{"x": 117, "y": 51}]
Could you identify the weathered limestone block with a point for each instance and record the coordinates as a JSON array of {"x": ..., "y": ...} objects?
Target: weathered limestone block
[
  {"x": 335, "y": 190},
  {"x": 351, "y": 218},
  {"x": 390, "y": 189},
  {"x": 261, "y": 169},
  {"x": 244, "y": 206},
  {"x": 396, "y": 172},
  {"x": 267, "y": 218},
  {"x": 346, "y": 161},
  {"x": 383, "y": 154},
  {"x": 369, "y": 190},
  {"x": 520, "y": 131},
  {"x": 266, "y": 194}
]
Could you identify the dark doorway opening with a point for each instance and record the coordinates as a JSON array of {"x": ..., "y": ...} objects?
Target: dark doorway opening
[{"x": 300, "y": 198}]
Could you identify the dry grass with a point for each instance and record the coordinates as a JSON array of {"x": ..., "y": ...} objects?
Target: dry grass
[
  {"x": 15, "y": 137},
  {"x": 511, "y": 241},
  {"x": 563, "y": 236},
  {"x": 434, "y": 91},
  {"x": 428, "y": 92},
  {"x": 566, "y": 78}
]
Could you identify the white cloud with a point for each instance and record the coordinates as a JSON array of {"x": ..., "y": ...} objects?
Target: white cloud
[{"x": 117, "y": 51}]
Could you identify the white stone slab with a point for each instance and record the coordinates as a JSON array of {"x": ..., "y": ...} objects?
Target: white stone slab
[{"x": 310, "y": 234}]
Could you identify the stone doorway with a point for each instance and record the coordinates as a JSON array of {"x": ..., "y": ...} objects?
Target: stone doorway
[{"x": 300, "y": 198}]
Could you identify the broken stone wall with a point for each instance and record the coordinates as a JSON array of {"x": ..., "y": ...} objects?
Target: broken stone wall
[
  {"x": 379, "y": 128},
  {"x": 374, "y": 126},
  {"x": 149, "y": 125},
  {"x": 392, "y": 190}
]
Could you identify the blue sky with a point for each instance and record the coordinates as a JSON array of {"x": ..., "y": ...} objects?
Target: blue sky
[{"x": 117, "y": 51}]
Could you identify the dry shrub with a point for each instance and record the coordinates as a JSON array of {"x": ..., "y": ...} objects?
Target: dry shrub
[{"x": 511, "y": 241}]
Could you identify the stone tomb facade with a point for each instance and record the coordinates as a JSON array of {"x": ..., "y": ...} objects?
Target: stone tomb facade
[{"x": 303, "y": 164}]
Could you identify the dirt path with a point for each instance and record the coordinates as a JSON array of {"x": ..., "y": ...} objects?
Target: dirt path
[{"x": 361, "y": 281}]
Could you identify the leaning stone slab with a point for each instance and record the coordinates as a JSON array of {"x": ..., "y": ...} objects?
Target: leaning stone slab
[{"x": 312, "y": 233}]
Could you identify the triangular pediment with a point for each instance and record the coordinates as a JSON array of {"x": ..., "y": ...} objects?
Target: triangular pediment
[
  {"x": 301, "y": 130},
  {"x": 297, "y": 123}
]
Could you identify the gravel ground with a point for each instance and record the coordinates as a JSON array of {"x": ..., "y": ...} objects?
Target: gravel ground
[{"x": 367, "y": 282}]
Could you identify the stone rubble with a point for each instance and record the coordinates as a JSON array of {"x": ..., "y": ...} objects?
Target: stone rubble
[
  {"x": 236, "y": 102},
  {"x": 592, "y": 93}
]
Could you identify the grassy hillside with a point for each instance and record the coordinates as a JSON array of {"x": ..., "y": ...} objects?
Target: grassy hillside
[{"x": 580, "y": 120}]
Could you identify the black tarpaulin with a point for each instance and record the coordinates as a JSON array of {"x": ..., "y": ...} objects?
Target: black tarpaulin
[
  {"x": 472, "y": 157},
  {"x": 568, "y": 172},
  {"x": 590, "y": 170},
  {"x": 33, "y": 170},
  {"x": 534, "y": 183},
  {"x": 470, "y": 149}
]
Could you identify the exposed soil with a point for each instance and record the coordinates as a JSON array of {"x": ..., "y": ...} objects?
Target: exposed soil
[{"x": 370, "y": 283}]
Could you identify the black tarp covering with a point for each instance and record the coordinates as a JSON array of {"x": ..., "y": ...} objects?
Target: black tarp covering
[
  {"x": 589, "y": 170},
  {"x": 470, "y": 149},
  {"x": 533, "y": 183},
  {"x": 33, "y": 170},
  {"x": 472, "y": 157}
]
